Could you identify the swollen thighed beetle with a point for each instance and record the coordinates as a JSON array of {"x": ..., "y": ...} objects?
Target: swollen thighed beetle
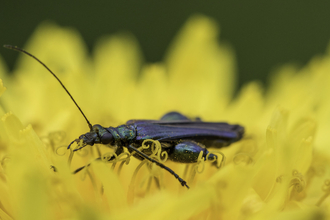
[{"x": 182, "y": 138}]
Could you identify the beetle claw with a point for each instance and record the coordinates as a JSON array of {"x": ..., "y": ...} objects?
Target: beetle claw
[{"x": 70, "y": 144}]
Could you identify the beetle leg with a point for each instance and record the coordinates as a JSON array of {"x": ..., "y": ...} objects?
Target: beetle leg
[
  {"x": 119, "y": 150},
  {"x": 188, "y": 152},
  {"x": 182, "y": 182},
  {"x": 70, "y": 144},
  {"x": 173, "y": 116},
  {"x": 176, "y": 116}
]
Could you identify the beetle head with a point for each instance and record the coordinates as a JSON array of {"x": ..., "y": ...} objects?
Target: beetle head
[
  {"x": 97, "y": 135},
  {"x": 90, "y": 138}
]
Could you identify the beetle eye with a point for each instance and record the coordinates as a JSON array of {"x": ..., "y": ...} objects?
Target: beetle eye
[{"x": 106, "y": 138}]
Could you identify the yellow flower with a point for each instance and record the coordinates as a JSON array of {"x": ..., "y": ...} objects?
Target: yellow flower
[{"x": 279, "y": 170}]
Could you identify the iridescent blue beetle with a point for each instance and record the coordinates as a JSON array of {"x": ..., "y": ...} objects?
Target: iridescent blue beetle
[{"x": 182, "y": 138}]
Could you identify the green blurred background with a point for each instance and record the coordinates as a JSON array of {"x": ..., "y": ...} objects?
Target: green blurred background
[{"x": 264, "y": 34}]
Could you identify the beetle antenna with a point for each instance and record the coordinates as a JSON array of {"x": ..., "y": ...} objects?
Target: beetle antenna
[{"x": 27, "y": 53}]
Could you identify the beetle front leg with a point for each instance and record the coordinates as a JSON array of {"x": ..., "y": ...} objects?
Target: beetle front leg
[
  {"x": 188, "y": 152},
  {"x": 118, "y": 151}
]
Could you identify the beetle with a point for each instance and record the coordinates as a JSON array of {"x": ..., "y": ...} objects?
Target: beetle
[{"x": 182, "y": 138}]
